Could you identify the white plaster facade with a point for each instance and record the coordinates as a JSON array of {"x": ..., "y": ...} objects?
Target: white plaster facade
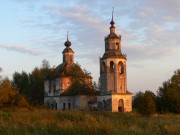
[
  {"x": 117, "y": 102},
  {"x": 77, "y": 102},
  {"x": 56, "y": 86}
]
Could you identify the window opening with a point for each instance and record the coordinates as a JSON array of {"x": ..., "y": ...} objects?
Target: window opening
[
  {"x": 121, "y": 68},
  {"x": 111, "y": 66},
  {"x": 64, "y": 106}
]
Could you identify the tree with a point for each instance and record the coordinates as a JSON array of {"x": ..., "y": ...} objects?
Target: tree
[
  {"x": 148, "y": 106},
  {"x": 145, "y": 103},
  {"x": 31, "y": 85},
  {"x": 168, "y": 98},
  {"x": 9, "y": 95},
  {"x": 22, "y": 83},
  {"x": 137, "y": 100},
  {"x": 36, "y": 91},
  {"x": 80, "y": 81}
]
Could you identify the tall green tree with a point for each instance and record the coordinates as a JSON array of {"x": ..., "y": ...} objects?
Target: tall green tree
[
  {"x": 31, "y": 85},
  {"x": 145, "y": 103},
  {"x": 137, "y": 100},
  {"x": 36, "y": 91},
  {"x": 148, "y": 105},
  {"x": 168, "y": 98},
  {"x": 22, "y": 83}
]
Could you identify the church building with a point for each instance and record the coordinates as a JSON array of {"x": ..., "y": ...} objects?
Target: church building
[
  {"x": 69, "y": 88},
  {"x": 64, "y": 90},
  {"x": 113, "y": 76}
]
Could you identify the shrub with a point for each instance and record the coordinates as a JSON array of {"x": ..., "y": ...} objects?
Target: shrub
[
  {"x": 9, "y": 95},
  {"x": 145, "y": 103},
  {"x": 147, "y": 106}
]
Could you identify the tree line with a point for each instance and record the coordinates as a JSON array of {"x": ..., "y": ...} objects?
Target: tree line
[
  {"x": 26, "y": 86},
  {"x": 29, "y": 87},
  {"x": 167, "y": 99}
]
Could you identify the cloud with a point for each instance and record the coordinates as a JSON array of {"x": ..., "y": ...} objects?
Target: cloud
[
  {"x": 140, "y": 53},
  {"x": 149, "y": 28},
  {"x": 21, "y": 49}
]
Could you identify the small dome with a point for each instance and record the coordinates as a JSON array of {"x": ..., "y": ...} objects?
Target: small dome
[
  {"x": 67, "y": 69},
  {"x": 112, "y": 35},
  {"x": 67, "y": 43},
  {"x": 68, "y": 49}
]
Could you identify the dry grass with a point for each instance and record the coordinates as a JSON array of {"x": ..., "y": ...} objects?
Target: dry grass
[{"x": 45, "y": 122}]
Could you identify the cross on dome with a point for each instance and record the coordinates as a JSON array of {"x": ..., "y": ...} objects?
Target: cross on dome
[{"x": 67, "y": 43}]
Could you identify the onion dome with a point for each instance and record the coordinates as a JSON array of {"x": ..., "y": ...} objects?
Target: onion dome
[{"x": 67, "y": 43}]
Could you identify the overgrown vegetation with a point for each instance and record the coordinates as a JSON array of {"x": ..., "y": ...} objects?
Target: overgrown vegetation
[
  {"x": 168, "y": 98},
  {"x": 9, "y": 96},
  {"x": 47, "y": 122},
  {"x": 81, "y": 82},
  {"x": 31, "y": 85},
  {"x": 145, "y": 103},
  {"x": 166, "y": 101}
]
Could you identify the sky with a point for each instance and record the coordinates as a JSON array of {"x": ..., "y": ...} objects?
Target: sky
[{"x": 34, "y": 30}]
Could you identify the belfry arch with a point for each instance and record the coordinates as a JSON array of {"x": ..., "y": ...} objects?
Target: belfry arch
[
  {"x": 112, "y": 66},
  {"x": 121, "y": 67}
]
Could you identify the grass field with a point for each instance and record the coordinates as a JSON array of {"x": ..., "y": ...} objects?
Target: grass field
[{"x": 48, "y": 122}]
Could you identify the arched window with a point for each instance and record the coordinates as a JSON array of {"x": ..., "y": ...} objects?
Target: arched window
[
  {"x": 117, "y": 46},
  {"x": 120, "y": 105},
  {"x": 111, "y": 66},
  {"x": 121, "y": 67}
]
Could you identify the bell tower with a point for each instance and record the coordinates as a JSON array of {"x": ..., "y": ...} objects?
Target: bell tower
[
  {"x": 113, "y": 64},
  {"x": 113, "y": 75}
]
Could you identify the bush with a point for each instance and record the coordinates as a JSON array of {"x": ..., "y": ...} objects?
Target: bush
[
  {"x": 147, "y": 106},
  {"x": 145, "y": 103},
  {"x": 9, "y": 96}
]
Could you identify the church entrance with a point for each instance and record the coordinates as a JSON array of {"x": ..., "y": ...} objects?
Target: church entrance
[{"x": 120, "y": 105}]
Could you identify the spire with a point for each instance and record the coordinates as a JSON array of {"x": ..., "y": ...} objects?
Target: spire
[
  {"x": 112, "y": 20},
  {"x": 67, "y": 43},
  {"x": 112, "y": 28},
  {"x": 67, "y": 35}
]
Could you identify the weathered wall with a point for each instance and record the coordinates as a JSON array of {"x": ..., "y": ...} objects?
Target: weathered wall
[
  {"x": 79, "y": 102},
  {"x": 113, "y": 81},
  {"x": 127, "y": 102},
  {"x": 111, "y": 102}
]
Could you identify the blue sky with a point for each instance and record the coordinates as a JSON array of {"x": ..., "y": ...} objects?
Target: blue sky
[{"x": 33, "y": 30}]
